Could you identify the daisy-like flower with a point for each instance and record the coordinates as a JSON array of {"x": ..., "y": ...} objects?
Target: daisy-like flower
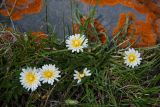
[
  {"x": 80, "y": 75},
  {"x": 132, "y": 58},
  {"x": 49, "y": 73},
  {"x": 30, "y": 78},
  {"x": 76, "y": 43}
]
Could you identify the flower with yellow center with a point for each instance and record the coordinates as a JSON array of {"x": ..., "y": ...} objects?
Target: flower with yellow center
[
  {"x": 80, "y": 75},
  {"x": 76, "y": 43},
  {"x": 29, "y": 78},
  {"x": 132, "y": 58},
  {"x": 49, "y": 73}
]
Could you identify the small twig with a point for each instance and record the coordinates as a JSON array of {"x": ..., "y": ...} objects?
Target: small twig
[
  {"x": 46, "y": 17},
  {"x": 10, "y": 13},
  {"x": 54, "y": 52}
]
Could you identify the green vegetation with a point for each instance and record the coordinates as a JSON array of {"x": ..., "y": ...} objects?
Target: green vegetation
[{"x": 112, "y": 83}]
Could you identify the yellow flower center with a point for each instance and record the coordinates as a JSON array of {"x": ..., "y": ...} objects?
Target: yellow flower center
[
  {"x": 81, "y": 75},
  {"x": 132, "y": 58},
  {"x": 48, "y": 74},
  {"x": 76, "y": 43},
  {"x": 30, "y": 78}
]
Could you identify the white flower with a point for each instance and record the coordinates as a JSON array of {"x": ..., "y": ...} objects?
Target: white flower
[
  {"x": 49, "y": 73},
  {"x": 30, "y": 78},
  {"x": 76, "y": 43},
  {"x": 79, "y": 75},
  {"x": 132, "y": 58},
  {"x": 86, "y": 72}
]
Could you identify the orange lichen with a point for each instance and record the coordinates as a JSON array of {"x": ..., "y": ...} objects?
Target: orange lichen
[
  {"x": 101, "y": 2},
  {"x": 139, "y": 33},
  {"x": 157, "y": 27},
  {"x": 154, "y": 20},
  {"x": 150, "y": 6},
  {"x": 18, "y": 8},
  {"x": 123, "y": 18},
  {"x": 120, "y": 25},
  {"x": 145, "y": 34},
  {"x": 151, "y": 17},
  {"x": 100, "y": 29},
  {"x": 142, "y": 6},
  {"x": 38, "y": 36},
  {"x": 128, "y": 3}
]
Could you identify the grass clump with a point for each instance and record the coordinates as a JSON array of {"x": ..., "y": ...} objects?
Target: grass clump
[{"x": 112, "y": 83}]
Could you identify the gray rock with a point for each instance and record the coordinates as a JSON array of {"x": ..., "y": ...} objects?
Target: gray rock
[{"x": 60, "y": 12}]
